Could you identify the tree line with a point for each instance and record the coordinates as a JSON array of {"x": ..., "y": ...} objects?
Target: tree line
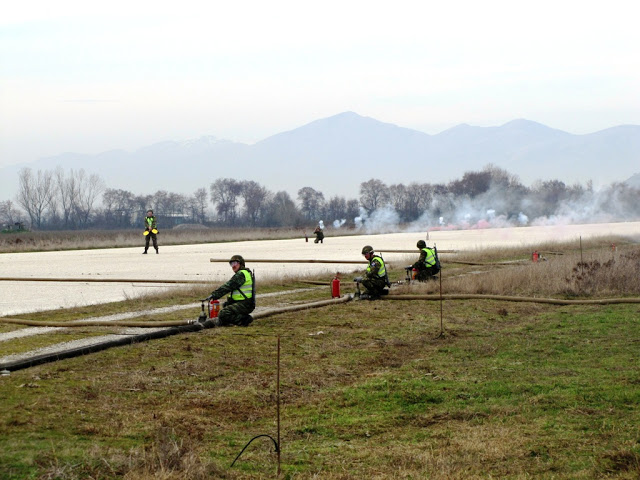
[{"x": 55, "y": 199}]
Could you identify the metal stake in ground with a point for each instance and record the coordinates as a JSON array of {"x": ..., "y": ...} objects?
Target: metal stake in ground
[
  {"x": 441, "y": 321},
  {"x": 276, "y": 443},
  {"x": 278, "y": 407},
  {"x": 581, "y": 261}
]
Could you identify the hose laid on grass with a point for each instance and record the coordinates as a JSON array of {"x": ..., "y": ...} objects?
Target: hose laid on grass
[
  {"x": 95, "y": 280},
  {"x": 303, "y": 306},
  {"x": 304, "y": 260},
  {"x": 178, "y": 323},
  {"x": 78, "y": 351},
  {"x": 489, "y": 264},
  {"x": 36, "y": 323},
  {"x": 552, "y": 301},
  {"x": 194, "y": 327},
  {"x": 131, "y": 339}
]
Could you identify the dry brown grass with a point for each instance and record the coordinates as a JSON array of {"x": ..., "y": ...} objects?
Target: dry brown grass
[
  {"x": 87, "y": 239},
  {"x": 598, "y": 271}
]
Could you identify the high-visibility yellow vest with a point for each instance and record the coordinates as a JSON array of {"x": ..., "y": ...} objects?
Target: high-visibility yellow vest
[
  {"x": 382, "y": 271},
  {"x": 430, "y": 259},
  {"x": 246, "y": 290}
]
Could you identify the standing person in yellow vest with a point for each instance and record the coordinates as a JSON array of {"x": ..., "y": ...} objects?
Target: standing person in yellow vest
[
  {"x": 427, "y": 264},
  {"x": 241, "y": 300},
  {"x": 150, "y": 231},
  {"x": 375, "y": 277}
]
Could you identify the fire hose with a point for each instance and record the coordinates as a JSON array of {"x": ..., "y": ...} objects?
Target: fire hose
[
  {"x": 191, "y": 326},
  {"x": 180, "y": 327},
  {"x": 96, "y": 347},
  {"x": 95, "y": 280},
  {"x": 504, "y": 298},
  {"x": 36, "y": 323}
]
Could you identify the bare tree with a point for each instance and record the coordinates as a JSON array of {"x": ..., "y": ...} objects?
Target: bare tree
[
  {"x": 161, "y": 202},
  {"x": 282, "y": 211},
  {"x": 87, "y": 189},
  {"x": 373, "y": 195},
  {"x": 471, "y": 184},
  {"x": 8, "y": 213},
  {"x": 547, "y": 196},
  {"x": 198, "y": 205},
  {"x": 65, "y": 189},
  {"x": 398, "y": 199},
  {"x": 353, "y": 210},
  {"x": 119, "y": 207},
  {"x": 224, "y": 195},
  {"x": 254, "y": 196},
  {"x": 336, "y": 208},
  {"x": 311, "y": 202},
  {"x": 35, "y": 194}
]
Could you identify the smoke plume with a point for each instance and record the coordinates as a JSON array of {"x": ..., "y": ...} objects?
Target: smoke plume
[{"x": 500, "y": 207}]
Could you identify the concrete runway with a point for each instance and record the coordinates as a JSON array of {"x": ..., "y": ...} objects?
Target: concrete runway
[{"x": 192, "y": 262}]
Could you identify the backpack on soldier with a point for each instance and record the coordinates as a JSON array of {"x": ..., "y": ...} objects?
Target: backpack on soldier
[
  {"x": 386, "y": 273},
  {"x": 437, "y": 265}
]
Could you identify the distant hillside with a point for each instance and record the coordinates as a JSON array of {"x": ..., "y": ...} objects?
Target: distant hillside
[
  {"x": 335, "y": 154},
  {"x": 633, "y": 181}
]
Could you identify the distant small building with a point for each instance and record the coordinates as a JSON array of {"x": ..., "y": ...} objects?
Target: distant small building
[{"x": 14, "y": 227}]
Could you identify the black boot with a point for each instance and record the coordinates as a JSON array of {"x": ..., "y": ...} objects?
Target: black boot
[{"x": 145, "y": 252}]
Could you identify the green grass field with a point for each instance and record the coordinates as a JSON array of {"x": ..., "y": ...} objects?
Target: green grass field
[{"x": 368, "y": 390}]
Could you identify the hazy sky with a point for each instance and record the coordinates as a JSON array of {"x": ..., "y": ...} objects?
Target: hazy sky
[{"x": 87, "y": 77}]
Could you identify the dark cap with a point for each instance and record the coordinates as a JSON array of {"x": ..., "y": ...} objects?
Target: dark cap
[{"x": 237, "y": 258}]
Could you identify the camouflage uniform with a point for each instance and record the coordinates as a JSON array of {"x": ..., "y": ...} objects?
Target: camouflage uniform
[
  {"x": 234, "y": 312},
  {"x": 372, "y": 282},
  {"x": 150, "y": 224},
  {"x": 319, "y": 235},
  {"x": 426, "y": 265}
]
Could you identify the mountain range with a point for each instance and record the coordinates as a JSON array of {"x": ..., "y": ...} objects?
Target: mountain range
[{"x": 335, "y": 154}]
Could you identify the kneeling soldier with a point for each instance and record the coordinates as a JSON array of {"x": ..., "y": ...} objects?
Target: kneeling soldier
[
  {"x": 241, "y": 301},
  {"x": 427, "y": 265},
  {"x": 375, "y": 277}
]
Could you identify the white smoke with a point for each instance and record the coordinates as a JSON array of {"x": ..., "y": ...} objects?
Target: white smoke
[
  {"x": 360, "y": 219},
  {"x": 498, "y": 208},
  {"x": 382, "y": 220},
  {"x": 523, "y": 219},
  {"x": 339, "y": 223}
]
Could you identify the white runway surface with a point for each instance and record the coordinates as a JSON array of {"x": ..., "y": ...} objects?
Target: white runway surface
[{"x": 192, "y": 262}]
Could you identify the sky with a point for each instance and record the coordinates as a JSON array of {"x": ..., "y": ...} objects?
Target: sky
[{"x": 88, "y": 77}]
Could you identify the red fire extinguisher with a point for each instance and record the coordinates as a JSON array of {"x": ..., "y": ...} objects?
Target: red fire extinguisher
[
  {"x": 335, "y": 287},
  {"x": 535, "y": 256},
  {"x": 214, "y": 308},
  {"x": 414, "y": 273}
]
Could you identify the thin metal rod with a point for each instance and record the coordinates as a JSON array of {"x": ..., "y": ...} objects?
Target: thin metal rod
[
  {"x": 383, "y": 250},
  {"x": 278, "y": 407},
  {"x": 95, "y": 280},
  {"x": 441, "y": 321},
  {"x": 272, "y": 260},
  {"x": 581, "y": 261}
]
